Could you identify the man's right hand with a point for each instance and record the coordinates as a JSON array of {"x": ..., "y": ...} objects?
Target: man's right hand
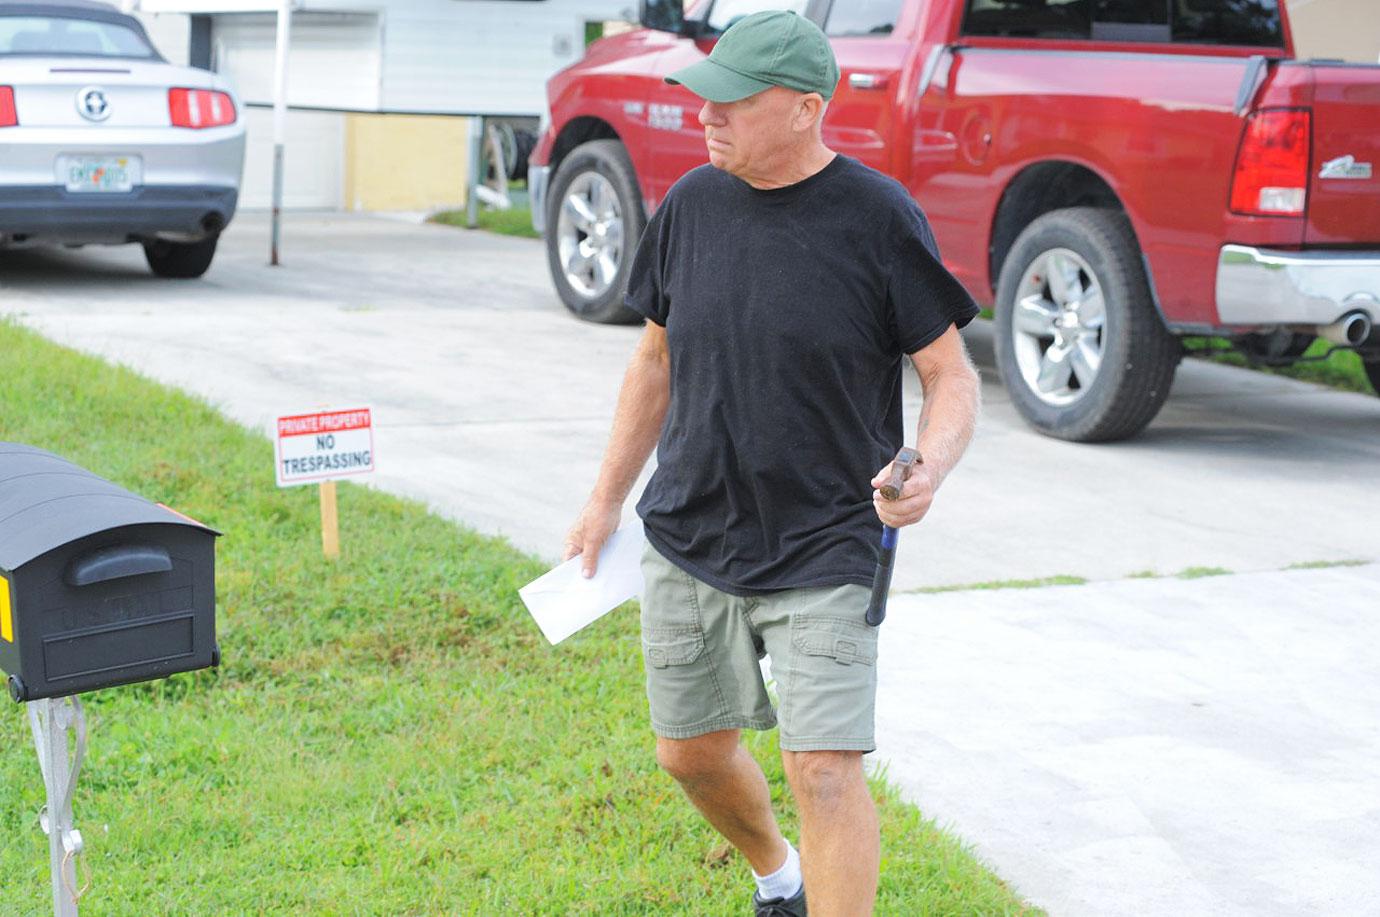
[{"x": 596, "y": 523}]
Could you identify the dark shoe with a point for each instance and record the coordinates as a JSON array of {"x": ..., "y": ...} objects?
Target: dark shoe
[{"x": 780, "y": 907}]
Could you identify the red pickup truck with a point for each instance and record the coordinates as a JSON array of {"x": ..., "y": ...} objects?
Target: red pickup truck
[{"x": 1108, "y": 175}]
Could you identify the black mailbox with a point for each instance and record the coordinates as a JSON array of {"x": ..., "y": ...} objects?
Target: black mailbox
[{"x": 98, "y": 587}]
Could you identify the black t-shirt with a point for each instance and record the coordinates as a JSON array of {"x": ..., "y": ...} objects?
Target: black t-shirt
[{"x": 787, "y": 313}]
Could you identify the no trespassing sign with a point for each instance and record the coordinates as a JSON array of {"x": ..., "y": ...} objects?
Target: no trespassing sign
[{"x": 310, "y": 448}]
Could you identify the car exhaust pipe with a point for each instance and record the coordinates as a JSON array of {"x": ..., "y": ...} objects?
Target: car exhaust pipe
[{"x": 1349, "y": 331}]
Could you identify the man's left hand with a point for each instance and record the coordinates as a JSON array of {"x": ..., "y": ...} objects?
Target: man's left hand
[{"x": 916, "y": 495}]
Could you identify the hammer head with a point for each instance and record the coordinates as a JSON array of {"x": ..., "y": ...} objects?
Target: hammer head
[{"x": 901, "y": 467}]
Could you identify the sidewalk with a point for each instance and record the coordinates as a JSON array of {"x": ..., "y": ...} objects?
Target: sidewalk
[{"x": 1150, "y": 747}]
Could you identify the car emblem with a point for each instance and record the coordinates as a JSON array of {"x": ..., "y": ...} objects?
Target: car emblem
[
  {"x": 1344, "y": 167},
  {"x": 92, "y": 104}
]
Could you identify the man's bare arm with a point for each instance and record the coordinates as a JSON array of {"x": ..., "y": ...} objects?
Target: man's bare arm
[
  {"x": 642, "y": 404},
  {"x": 953, "y": 393}
]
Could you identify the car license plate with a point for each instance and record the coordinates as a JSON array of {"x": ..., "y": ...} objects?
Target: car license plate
[{"x": 99, "y": 173}]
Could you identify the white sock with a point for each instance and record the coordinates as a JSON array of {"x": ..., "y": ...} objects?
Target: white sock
[{"x": 785, "y": 882}]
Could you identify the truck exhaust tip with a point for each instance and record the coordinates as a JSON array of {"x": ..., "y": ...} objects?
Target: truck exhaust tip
[{"x": 1350, "y": 330}]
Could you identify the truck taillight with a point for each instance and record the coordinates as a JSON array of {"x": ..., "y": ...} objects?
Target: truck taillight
[
  {"x": 1272, "y": 165},
  {"x": 198, "y": 108},
  {"x": 8, "y": 116}
]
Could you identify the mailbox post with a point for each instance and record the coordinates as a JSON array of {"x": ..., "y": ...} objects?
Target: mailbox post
[
  {"x": 98, "y": 588},
  {"x": 52, "y": 719}
]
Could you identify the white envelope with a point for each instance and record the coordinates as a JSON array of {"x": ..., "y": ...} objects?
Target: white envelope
[{"x": 562, "y": 601}]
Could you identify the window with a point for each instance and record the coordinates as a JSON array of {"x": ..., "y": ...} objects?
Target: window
[
  {"x": 1228, "y": 22},
  {"x": 55, "y": 35},
  {"x": 862, "y": 17},
  {"x": 1130, "y": 20},
  {"x": 1029, "y": 18},
  {"x": 1222, "y": 22},
  {"x": 726, "y": 12}
]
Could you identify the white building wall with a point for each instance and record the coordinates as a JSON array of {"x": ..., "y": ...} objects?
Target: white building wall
[
  {"x": 333, "y": 61},
  {"x": 462, "y": 56},
  {"x": 171, "y": 34},
  {"x": 495, "y": 57}
]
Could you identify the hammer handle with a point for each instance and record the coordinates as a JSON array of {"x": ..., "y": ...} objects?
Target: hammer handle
[
  {"x": 881, "y": 580},
  {"x": 901, "y": 467}
]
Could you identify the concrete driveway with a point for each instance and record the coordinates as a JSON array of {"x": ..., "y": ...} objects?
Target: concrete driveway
[{"x": 1146, "y": 746}]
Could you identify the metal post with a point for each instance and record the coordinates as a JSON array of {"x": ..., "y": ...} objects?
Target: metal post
[
  {"x": 476, "y": 170},
  {"x": 51, "y": 720},
  {"x": 280, "y": 59}
]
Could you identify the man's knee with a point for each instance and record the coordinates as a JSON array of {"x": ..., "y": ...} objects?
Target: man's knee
[
  {"x": 699, "y": 759},
  {"x": 821, "y": 777}
]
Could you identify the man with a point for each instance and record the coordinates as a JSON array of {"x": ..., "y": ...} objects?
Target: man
[{"x": 782, "y": 285}]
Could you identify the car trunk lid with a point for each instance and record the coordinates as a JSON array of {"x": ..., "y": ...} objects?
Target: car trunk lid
[{"x": 91, "y": 92}]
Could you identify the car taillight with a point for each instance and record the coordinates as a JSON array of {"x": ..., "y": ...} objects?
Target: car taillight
[
  {"x": 1272, "y": 165},
  {"x": 198, "y": 108},
  {"x": 8, "y": 117}
]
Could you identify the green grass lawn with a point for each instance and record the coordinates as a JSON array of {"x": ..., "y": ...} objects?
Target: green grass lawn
[
  {"x": 389, "y": 734},
  {"x": 514, "y": 222}
]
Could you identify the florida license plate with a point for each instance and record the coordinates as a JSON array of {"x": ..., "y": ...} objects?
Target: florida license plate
[{"x": 99, "y": 173}]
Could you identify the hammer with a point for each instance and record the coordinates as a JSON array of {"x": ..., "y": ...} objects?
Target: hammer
[{"x": 901, "y": 467}]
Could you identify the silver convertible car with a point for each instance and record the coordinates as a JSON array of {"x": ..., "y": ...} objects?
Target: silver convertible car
[{"x": 102, "y": 141}]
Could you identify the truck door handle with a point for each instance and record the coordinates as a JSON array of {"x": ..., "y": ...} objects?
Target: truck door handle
[
  {"x": 116, "y": 563},
  {"x": 867, "y": 80}
]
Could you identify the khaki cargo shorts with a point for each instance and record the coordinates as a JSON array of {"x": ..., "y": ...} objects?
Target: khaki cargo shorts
[{"x": 702, "y": 647}]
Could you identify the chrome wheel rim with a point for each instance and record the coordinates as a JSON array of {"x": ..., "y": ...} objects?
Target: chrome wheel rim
[
  {"x": 589, "y": 235},
  {"x": 1057, "y": 327}
]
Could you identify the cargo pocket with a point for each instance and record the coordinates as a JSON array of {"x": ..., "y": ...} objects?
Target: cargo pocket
[
  {"x": 681, "y": 689},
  {"x": 846, "y": 642},
  {"x": 830, "y": 700},
  {"x": 664, "y": 647}
]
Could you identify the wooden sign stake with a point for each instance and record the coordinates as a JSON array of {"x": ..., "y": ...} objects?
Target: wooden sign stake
[{"x": 330, "y": 523}]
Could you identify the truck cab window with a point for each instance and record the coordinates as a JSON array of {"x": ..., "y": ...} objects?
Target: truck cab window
[
  {"x": 1029, "y": 18},
  {"x": 726, "y": 12},
  {"x": 862, "y": 17},
  {"x": 1228, "y": 22},
  {"x": 1130, "y": 20}
]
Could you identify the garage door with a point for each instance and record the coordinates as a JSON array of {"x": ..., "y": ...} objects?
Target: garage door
[
  {"x": 333, "y": 63},
  {"x": 313, "y": 160}
]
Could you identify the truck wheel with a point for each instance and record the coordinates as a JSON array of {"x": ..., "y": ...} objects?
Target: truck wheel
[
  {"x": 180, "y": 259},
  {"x": 1079, "y": 343},
  {"x": 1373, "y": 373},
  {"x": 593, "y": 223}
]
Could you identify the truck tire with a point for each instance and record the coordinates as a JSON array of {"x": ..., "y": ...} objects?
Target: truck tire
[
  {"x": 1079, "y": 343},
  {"x": 1373, "y": 373},
  {"x": 593, "y": 221},
  {"x": 182, "y": 260}
]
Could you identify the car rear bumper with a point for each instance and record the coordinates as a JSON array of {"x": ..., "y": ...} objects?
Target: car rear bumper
[
  {"x": 538, "y": 178},
  {"x": 1269, "y": 287},
  {"x": 51, "y": 213}
]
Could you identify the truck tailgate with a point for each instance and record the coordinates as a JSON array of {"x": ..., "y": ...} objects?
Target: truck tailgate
[{"x": 1344, "y": 192}]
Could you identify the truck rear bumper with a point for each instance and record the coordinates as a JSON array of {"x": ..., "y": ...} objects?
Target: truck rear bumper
[
  {"x": 1257, "y": 286},
  {"x": 537, "y": 179}
]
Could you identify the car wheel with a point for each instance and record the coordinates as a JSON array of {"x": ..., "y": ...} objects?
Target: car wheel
[
  {"x": 1079, "y": 343},
  {"x": 180, "y": 259},
  {"x": 593, "y": 224}
]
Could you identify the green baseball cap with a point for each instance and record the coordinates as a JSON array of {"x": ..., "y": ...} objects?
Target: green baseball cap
[{"x": 771, "y": 48}]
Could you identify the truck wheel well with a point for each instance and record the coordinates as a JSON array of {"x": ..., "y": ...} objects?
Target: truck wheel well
[
  {"x": 578, "y": 131},
  {"x": 1036, "y": 191}
]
